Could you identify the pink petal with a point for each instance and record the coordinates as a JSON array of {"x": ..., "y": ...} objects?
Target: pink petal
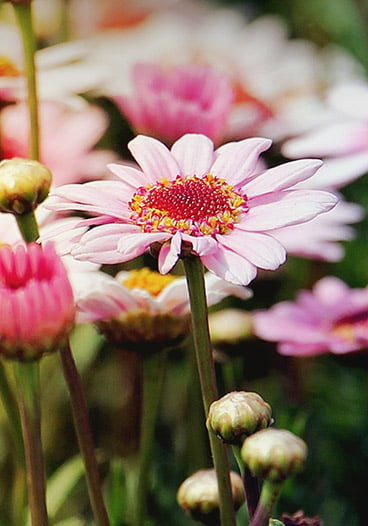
[
  {"x": 194, "y": 154},
  {"x": 132, "y": 245},
  {"x": 236, "y": 161},
  {"x": 282, "y": 177},
  {"x": 261, "y": 250},
  {"x": 280, "y": 209},
  {"x": 154, "y": 158},
  {"x": 230, "y": 266},
  {"x": 169, "y": 254}
]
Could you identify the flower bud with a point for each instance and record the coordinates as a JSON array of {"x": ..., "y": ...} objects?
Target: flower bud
[
  {"x": 198, "y": 495},
  {"x": 24, "y": 184},
  {"x": 237, "y": 415},
  {"x": 274, "y": 454},
  {"x": 37, "y": 306}
]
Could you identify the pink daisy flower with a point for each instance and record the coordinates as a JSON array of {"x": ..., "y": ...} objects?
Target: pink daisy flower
[
  {"x": 192, "y": 199},
  {"x": 37, "y": 307},
  {"x": 330, "y": 318}
]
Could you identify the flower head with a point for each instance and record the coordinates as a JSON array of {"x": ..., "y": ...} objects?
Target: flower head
[
  {"x": 142, "y": 306},
  {"x": 330, "y": 318},
  {"x": 183, "y": 99},
  {"x": 37, "y": 306},
  {"x": 194, "y": 200}
]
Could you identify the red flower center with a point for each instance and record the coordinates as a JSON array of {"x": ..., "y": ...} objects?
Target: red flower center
[{"x": 194, "y": 205}]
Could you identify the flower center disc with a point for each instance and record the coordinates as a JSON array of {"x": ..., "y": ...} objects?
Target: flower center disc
[
  {"x": 147, "y": 279},
  {"x": 350, "y": 327},
  {"x": 195, "y": 205},
  {"x": 7, "y": 68}
]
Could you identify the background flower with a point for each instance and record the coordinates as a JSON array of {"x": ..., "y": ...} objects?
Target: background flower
[{"x": 330, "y": 318}]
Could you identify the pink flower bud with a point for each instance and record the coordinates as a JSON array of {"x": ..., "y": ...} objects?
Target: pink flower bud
[{"x": 37, "y": 306}]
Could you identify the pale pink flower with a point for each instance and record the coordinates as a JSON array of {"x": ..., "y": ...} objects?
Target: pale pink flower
[
  {"x": 37, "y": 307},
  {"x": 63, "y": 71},
  {"x": 342, "y": 142},
  {"x": 103, "y": 297},
  {"x": 67, "y": 138},
  {"x": 330, "y": 318},
  {"x": 169, "y": 103},
  {"x": 192, "y": 199},
  {"x": 320, "y": 238}
]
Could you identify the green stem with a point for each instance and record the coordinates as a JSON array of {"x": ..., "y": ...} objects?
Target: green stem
[
  {"x": 84, "y": 436},
  {"x": 197, "y": 294},
  {"x": 12, "y": 412},
  {"x": 28, "y": 227},
  {"x": 269, "y": 494},
  {"x": 153, "y": 375},
  {"x": 24, "y": 18},
  {"x": 250, "y": 482},
  {"x": 28, "y": 383}
]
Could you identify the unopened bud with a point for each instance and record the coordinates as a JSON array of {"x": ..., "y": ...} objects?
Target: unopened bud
[
  {"x": 237, "y": 415},
  {"x": 274, "y": 454},
  {"x": 24, "y": 184},
  {"x": 198, "y": 495}
]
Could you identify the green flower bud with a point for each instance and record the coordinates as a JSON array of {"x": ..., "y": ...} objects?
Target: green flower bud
[
  {"x": 24, "y": 184},
  {"x": 198, "y": 495},
  {"x": 274, "y": 454},
  {"x": 237, "y": 415}
]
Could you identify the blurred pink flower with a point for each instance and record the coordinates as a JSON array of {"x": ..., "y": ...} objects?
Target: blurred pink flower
[
  {"x": 330, "y": 318},
  {"x": 67, "y": 138},
  {"x": 37, "y": 306},
  {"x": 166, "y": 104},
  {"x": 342, "y": 142},
  {"x": 193, "y": 199}
]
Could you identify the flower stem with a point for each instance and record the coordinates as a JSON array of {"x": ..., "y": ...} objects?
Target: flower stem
[
  {"x": 269, "y": 494},
  {"x": 197, "y": 294},
  {"x": 24, "y": 18},
  {"x": 250, "y": 482},
  {"x": 84, "y": 436},
  {"x": 12, "y": 412},
  {"x": 153, "y": 375},
  {"x": 28, "y": 227},
  {"x": 28, "y": 383}
]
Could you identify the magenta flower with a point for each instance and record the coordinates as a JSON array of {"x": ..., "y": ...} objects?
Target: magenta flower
[
  {"x": 330, "y": 318},
  {"x": 167, "y": 104},
  {"x": 37, "y": 306},
  {"x": 193, "y": 199}
]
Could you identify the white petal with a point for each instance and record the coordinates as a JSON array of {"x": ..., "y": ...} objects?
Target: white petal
[{"x": 169, "y": 254}]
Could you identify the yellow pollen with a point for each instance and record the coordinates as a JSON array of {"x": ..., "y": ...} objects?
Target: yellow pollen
[
  {"x": 149, "y": 280},
  {"x": 7, "y": 68}
]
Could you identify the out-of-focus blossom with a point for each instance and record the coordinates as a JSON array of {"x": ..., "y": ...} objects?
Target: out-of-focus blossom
[
  {"x": 186, "y": 99},
  {"x": 67, "y": 138},
  {"x": 142, "y": 306},
  {"x": 342, "y": 143},
  {"x": 37, "y": 307},
  {"x": 192, "y": 199},
  {"x": 276, "y": 80},
  {"x": 320, "y": 238},
  {"x": 62, "y": 70},
  {"x": 330, "y": 318}
]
